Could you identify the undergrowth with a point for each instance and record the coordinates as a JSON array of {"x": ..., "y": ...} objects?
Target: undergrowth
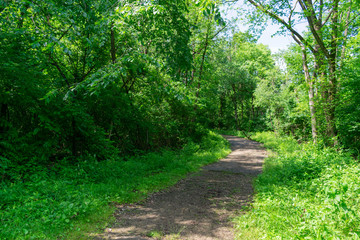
[
  {"x": 231, "y": 132},
  {"x": 305, "y": 192},
  {"x": 66, "y": 201}
]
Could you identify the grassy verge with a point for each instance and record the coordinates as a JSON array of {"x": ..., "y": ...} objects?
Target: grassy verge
[
  {"x": 68, "y": 202},
  {"x": 231, "y": 132},
  {"x": 305, "y": 192}
]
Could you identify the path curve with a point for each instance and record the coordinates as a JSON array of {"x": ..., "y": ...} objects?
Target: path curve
[{"x": 199, "y": 207}]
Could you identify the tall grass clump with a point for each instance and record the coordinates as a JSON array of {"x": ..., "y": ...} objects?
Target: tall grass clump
[
  {"x": 65, "y": 201},
  {"x": 305, "y": 192}
]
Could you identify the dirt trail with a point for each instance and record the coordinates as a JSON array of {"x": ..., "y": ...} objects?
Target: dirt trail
[{"x": 198, "y": 207}]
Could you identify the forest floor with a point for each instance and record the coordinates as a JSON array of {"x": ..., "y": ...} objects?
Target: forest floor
[{"x": 198, "y": 207}]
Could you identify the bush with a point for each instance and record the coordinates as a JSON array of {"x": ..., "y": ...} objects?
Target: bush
[
  {"x": 59, "y": 201},
  {"x": 305, "y": 192}
]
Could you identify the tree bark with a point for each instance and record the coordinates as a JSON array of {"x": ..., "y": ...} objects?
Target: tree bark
[
  {"x": 324, "y": 50},
  {"x": 331, "y": 124},
  {"x": 204, "y": 54},
  {"x": 235, "y": 108},
  {"x": 346, "y": 31},
  {"x": 3, "y": 117},
  {"x": 113, "y": 49},
  {"x": 74, "y": 137},
  {"x": 310, "y": 83},
  {"x": 221, "y": 110}
]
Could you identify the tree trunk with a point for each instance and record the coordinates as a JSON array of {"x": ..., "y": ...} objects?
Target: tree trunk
[
  {"x": 236, "y": 114},
  {"x": 204, "y": 54},
  {"x": 331, "y": 105},
  {"x": 201, "y": 68},
  {"x": 310, "y": 83},
  {"x": 113, "y": 49},
  {"x": 312, "y": 111},
  {"x": 325, "y": 50},
  {"x": 235, "y": 108},
  {"x": 221, "y": 110},
  {"x": 242, "y": 110},
  {"x": 113, "y": 59},
  {"x": 73, "y": 137},
  {"x": 331, "y": 125},
  {"x": 3, "y": 117}
]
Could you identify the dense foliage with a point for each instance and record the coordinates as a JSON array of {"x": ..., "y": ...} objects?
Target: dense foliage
[
  {"x": 62, "y": 202},
  {"x": 324, "y": 49},
  {"x": 305, "y": 192},
  {"x": 99, "y": 93},
  {"x": 91, "y": 80}
]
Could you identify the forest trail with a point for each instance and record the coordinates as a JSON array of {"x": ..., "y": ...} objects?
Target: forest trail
[{"x": 198, "y": 207}]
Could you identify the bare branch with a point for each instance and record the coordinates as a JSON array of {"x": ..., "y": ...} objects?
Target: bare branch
[
  {"x": 65, "y": 32},
  {"x": 314, "y": 28},
  {"x": 212, "y": 37},
  {"x": 292, "y": 11},
  {"x": 281, "y": 21},
  {"x": 353, "y": 19},
  {"x": 321, "y": 12},
  {"x": 327, "y": 18},
  {"x": 88, "y": 72},
  {"x": 297, "y": 40},
  {"x": 54, "y": 63},
  {"x": 345, "y": 37}
]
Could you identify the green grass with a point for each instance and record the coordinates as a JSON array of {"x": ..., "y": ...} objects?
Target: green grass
[
  {"x": 232, "y": 132},
  {"x": 305, "y": 192},
  {"x": 71, "y": 202}
]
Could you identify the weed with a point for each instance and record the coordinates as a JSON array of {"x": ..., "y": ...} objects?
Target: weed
[
  {"x": 69, "y": 200},
  {"x": 155, "y": 234},
  {"x": 305, "y": 192}
]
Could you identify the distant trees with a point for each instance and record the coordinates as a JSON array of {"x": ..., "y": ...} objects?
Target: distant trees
[
  {"x": 236, "y": 67},
  {"x": 92, "y": 78},
  {"x": 108, "y": 78},
  {"x": 330, "y": 24}
]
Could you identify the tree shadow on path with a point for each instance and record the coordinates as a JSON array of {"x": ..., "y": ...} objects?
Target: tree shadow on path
[{"x": 198, "y": 207}]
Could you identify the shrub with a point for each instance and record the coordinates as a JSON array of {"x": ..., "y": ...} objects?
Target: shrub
[
  {"x": 305, "y": 192},
  {"x": 60, "y": 201}
]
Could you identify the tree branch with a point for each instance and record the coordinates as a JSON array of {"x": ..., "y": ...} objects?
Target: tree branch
[
  {"x": 65, "y": 32},
  {"x": 292, "y": 11},
  {"x": 353, "y": 19},
  {"x": 54, "y": 63},
  {"x": 345, "y": 37},
  {"x": 312, "y": 22},
  {"x": 281, "y": 21},
  {"x": 211, "y": 38},
  {"x": 327, "y": 18}
]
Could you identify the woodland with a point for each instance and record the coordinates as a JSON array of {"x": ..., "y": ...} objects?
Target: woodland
[{"x": 107, "y": 101}]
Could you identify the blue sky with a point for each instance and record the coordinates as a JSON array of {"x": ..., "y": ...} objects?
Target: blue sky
[{"x": 275, "y": 43}]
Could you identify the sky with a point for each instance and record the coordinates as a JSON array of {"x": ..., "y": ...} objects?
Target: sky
[{"x": 275, "y": 42}]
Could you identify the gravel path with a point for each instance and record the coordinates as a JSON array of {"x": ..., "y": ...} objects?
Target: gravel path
[{"x": 199, "y": 207}]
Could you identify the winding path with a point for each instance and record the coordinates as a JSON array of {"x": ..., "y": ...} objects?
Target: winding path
[{"x": 198, "y": 207}]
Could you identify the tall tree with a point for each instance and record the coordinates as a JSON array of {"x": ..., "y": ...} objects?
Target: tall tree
[{"x": 328, "y": 23}]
